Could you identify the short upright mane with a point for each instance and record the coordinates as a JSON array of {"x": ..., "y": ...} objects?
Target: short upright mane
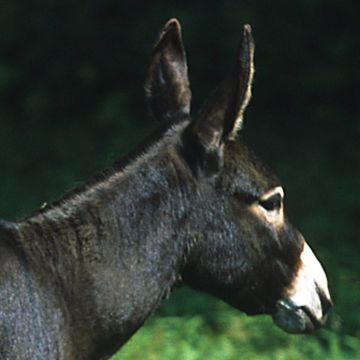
[{"x": 116, "y": 168}]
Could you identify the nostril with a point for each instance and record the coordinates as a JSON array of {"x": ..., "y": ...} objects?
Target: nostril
[{"x": 326, "y": 302}]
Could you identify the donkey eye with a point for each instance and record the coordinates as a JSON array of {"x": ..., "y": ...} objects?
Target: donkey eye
[{"x": 272, "y": 203}]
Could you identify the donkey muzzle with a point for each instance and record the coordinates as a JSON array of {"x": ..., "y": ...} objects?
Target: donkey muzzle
[{"x": 304, "y": 307}]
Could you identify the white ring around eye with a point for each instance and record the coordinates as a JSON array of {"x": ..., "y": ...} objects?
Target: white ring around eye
[
  {"x": 274, "y": 218},
  {"x": 276, "y": 190}
]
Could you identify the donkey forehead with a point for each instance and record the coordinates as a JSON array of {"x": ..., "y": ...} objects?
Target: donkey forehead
[{"x": 244, "y": 171}]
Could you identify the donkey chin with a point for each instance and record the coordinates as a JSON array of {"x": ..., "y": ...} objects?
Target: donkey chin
[{"x": 305, "y": 304}]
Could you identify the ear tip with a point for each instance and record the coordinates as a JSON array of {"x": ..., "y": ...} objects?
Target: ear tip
[
  {"x": 247, "y": 39},
  {"x": 169, "y": 34},
  {"x": 247, "y": 29},
  {"x": 247, "y": 33},
  {"x": 172, "y": 25}
]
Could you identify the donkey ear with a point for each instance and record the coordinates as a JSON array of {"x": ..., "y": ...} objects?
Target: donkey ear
[
  {"x": 167, "y": 85},
  {"x": 222, "y": 115}
]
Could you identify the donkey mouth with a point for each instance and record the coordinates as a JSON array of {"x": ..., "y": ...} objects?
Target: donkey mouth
[
  {"x": 307, "y": 300},
  {"x": 296, "y": 319}
]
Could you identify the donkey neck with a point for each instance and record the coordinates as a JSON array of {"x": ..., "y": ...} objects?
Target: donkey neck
[
  {"x": 132, "y": 205},
  {"x": 116, "y": 248}
]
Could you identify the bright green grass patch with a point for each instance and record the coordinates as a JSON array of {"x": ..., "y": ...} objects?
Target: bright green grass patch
[
  {"x": 215, "y": 331},
  {"x": 192, "y": 339}
]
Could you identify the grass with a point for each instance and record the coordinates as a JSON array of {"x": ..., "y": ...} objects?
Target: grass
[{"x": 194, "y": 326}]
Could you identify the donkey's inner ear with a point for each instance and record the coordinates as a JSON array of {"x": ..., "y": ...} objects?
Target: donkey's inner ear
[
  {"x": 221, "y": 117},
  {"x": 167, "y": 84}
]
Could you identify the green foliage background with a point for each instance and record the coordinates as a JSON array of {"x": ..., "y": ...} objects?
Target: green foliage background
[{"x": 71, "y": 102}]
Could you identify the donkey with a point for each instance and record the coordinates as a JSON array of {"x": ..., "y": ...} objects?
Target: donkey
[{"x": 194, "y": 206}]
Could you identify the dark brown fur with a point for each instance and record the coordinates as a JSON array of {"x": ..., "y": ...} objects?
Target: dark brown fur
[{"x": 79, "y": 277}]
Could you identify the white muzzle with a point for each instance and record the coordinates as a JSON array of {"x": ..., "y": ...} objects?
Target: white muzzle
[{"x": 307, "y": 300}]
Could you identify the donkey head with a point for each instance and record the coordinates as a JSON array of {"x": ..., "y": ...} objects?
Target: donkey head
[{"x": 244, "y": 249}]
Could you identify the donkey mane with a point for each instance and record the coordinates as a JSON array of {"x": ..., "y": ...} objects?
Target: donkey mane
[{"x": 118, "y": 167}]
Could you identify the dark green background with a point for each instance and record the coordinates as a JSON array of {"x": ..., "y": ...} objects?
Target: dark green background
[{"x": 71, "y": 103}]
